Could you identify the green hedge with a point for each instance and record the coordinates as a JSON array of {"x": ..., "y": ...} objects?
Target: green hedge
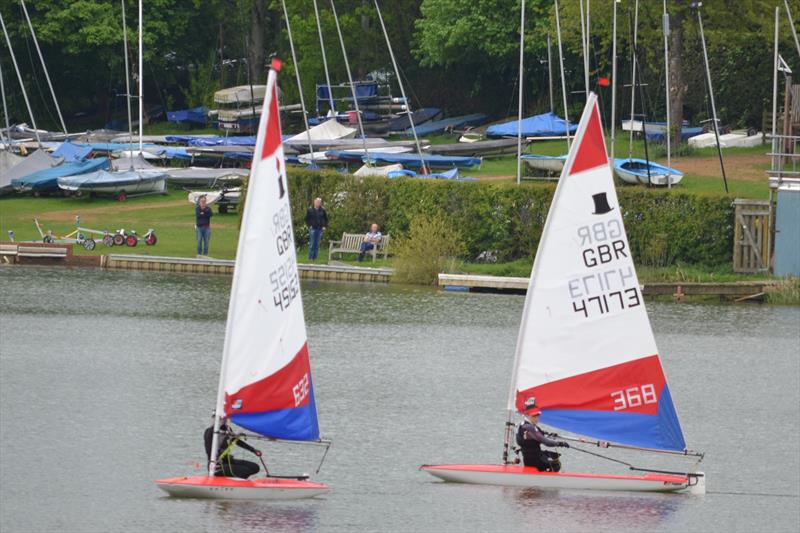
[{"x": 663, "y": 227}]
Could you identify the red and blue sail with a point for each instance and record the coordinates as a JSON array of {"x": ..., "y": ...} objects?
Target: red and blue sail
[
  {"x": 266, "y": 385},
  {"x": 586, "y": 352}
]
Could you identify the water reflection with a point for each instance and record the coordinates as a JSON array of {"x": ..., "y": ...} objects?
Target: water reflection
[
  {"x": 262, "y": 516},
  {"x": 606, "y": 511}
]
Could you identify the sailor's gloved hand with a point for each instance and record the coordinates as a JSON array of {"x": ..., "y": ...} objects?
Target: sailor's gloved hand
[
  {"x": 563, "y": 444},
  {"x": 258, "y": 453}
]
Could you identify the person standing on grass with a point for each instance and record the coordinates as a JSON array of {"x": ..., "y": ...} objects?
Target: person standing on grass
[
  {"x": 202, "y": 214},
  {"x": 317, "y": 221}
]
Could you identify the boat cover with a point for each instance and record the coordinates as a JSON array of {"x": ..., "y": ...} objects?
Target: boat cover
[
  {"x": 439, "y": 126},
  {"x": 38, "y": 160},
  {"x": 71, "y": 152},
  {"x": 191, "y": 140},
  {"x": 686, "y": 133},
  {"x": 47, "y": 179},
  {"x": 103, "y": 179},
  {"x": 126, "y": 163},
  {"x": 328, "y": 130},
  {"x": 414, "y": 160},
  {"x": 420, "y": 116},
  {"x": 7, "y": 162},
  {"x": 195, "y": 115},
  {"x": 365, "y": 90},
  {"x": 544, "y": 125},
  {"x": 240, "y": 94}
]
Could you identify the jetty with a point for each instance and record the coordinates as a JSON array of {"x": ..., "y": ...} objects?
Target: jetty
[{"x": 735, "y": 290}]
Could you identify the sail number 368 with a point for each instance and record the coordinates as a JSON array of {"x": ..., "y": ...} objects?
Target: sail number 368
[{"x": 634, "y": 397}]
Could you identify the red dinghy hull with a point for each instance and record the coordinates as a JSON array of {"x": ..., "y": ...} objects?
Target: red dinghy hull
[
  {"x": 228, "y": 488},
  {"x": 521, "y": 476}
]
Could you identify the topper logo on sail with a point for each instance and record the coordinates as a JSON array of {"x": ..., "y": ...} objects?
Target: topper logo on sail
[{"x": 300, "y": 391}]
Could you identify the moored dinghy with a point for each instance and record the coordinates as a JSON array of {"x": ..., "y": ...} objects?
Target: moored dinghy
[
  {"x": 586, "y": 355},
  {"x": 265, "y": 381}
]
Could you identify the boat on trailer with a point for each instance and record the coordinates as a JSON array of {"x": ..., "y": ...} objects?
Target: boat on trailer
[
  {"x": 586, "y": 356},
  {"x": 265, "y": 384}
]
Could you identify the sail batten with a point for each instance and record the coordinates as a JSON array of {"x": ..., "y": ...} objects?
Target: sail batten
[
  {"x": 265, "y": 379},
  {"x": 586, "y": 351}
]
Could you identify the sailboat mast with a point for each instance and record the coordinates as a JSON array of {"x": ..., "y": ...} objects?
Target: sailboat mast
[
  {"x": 5, "y": 108},
  {"x": 644, "y": 109},
  {"x": 297, "y": 77},
  {"x": 561, "y": 68},
  {"x": 775, "y": 144},
  {"x": 127, "y": 77},
  {"x": 141, "y": 79},
  {"x": 44, "y": 67},
  {"x": 402, "y": 89},
  {"x": 711, "y": 95},
  {"x": 614, "y": 81},
  {"x": 550, "y": 73},
  {"x": 583, "y": 49},
  {"x": 324, "y": 59},
  {"x": 792, "y": 26},
  {"x": 21, "y": 83},
  {"x": 521, "y": 91},
  {"x": 665, "y": 29},
  {"x": 635, "y": 30},
  {"x": 352, "y": 84}
]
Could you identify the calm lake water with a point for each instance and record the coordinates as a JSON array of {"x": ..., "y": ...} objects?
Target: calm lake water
[{"x": 107, "y": 380}]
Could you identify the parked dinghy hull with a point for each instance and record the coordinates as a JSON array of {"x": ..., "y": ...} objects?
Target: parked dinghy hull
[
  {"x": 521, "y": 476},
  {"x": 228, "y": 488}
]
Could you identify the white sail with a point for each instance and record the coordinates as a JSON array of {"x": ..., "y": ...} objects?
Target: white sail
[{"x": 586, "y": 351}]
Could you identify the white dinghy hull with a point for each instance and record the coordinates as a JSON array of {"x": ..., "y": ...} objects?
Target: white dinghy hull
[
  {"x": 520, "y": 476},
  {"x": 227, "y": 488}
]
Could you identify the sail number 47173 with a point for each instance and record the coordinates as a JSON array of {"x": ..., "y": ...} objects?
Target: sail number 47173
[{"x": 634, "y": 397}]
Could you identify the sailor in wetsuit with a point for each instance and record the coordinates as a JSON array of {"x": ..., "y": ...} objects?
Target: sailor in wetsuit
[
  {"x": 530, "y": 438},
  {"x": 226, "y": 464}
]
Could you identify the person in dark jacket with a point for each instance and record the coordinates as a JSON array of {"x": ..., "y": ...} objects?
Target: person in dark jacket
[
  {"x": 227, "y": 465},
  {"x": 203, "y": 214},
  {"x": 317, "y": 222},
  {"x": 530, "y": 439}
]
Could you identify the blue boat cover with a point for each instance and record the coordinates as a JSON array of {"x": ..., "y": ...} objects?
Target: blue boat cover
[
  {"x": 191, "y": 140},
  {"x": 71, "y": 152},
  {"x": 439, "y": 126},
  {"x": 364, "y": 90},
  {"x": 544, "y": 125},
  {"x": 47, "y": 179},
  {"x": 686, "y": 133},
  {"x": 195, "y": 115},
  {"x": 116, "y": 147},
  {"x": 414, "y": 160},
  {"x": 102, "y": 178}
]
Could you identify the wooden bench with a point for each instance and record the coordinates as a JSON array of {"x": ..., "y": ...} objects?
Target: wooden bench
[
  {"x": 350, "y": 243},
  {"x": 42, "y": 251}
]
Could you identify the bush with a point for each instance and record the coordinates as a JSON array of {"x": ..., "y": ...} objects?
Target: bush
[
  {"x": 430, "y": 244},
  {"x": 664, "y": 226}
]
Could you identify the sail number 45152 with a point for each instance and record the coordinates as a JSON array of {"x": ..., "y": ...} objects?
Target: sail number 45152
[{"x": 634, "y": 397}]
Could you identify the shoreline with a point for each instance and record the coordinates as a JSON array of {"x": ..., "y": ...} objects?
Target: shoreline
[{"x": 62, "y": 255}]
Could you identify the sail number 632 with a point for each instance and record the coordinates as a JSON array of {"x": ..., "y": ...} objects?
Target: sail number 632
[{"x": 634, "y": 397}]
